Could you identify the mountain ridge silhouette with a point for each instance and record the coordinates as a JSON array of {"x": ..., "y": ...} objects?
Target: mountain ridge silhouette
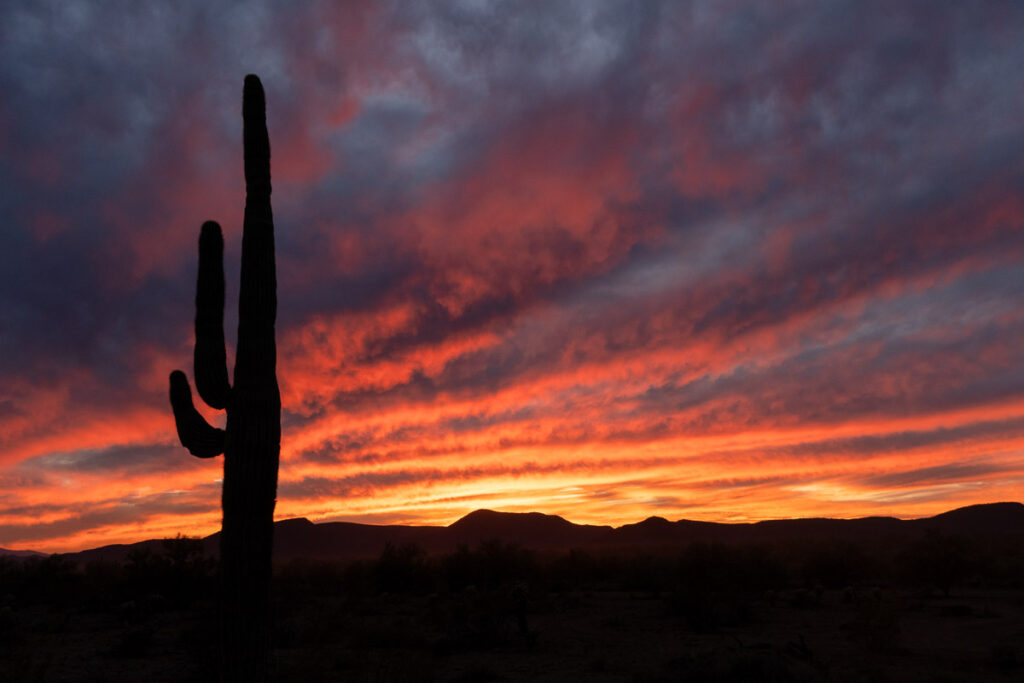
[
  {"x": 299, "y": 537},
  {"x": 7, "y": 552}
]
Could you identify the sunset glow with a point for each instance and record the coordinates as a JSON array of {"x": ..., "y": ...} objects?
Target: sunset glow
[{"x": 604, "y": 260}]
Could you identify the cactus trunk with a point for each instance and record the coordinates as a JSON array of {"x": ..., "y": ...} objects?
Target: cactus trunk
[{"x": 251, "y": 442}]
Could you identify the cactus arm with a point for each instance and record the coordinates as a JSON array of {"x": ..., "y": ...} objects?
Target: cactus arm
[
  {"x": 255, "y": 362},
  {"x": 210, "y": 361},
  {"x": 195, "y": 433}
]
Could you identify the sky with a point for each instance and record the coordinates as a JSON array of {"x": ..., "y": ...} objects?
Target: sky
[{"x": 715, "y": 260}]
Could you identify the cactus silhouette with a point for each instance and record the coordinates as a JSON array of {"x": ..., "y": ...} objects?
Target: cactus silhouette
[{"x": 251, "y": 441}]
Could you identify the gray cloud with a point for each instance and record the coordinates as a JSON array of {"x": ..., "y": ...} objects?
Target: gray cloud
[{"x": 840, "y": 166}]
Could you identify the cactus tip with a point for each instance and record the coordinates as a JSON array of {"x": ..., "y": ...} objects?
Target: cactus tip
[
  {"x": 252, "y": 95},
  {"x": 210, "y": 234}
]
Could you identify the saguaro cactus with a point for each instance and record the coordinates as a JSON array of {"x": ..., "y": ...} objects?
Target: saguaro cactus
[{"x": 251, "y": 442}]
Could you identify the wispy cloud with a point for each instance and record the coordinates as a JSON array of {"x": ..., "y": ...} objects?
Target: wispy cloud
[{"x": 605, "y": 259}]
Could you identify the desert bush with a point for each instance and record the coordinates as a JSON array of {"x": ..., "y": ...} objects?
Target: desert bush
[
  {"x": 50, "y": 580},
  {"x": 302, "y": 579},
  {"x": 494, "y": 563},
  {"x": 645, "y": 572},
  {"x": 482, "y": 619},
  {"x": 180, "y": 572},
  {"x": 716, "y": 584},
  {"x": 401, "y": 569},
  {"x": 189, "y": 572},
  {"x": 938, "y": 559},
  {"x": 877, "y": 626},
  {"x": 716, "y": 567},
  {"x": 835, "y": 565},
  {"x": 576, "y": 568}
]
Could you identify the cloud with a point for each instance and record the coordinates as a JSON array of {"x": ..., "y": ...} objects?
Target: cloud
[
  {"x": 569, "y": 237},
  {"x": 113, "y": 460}
]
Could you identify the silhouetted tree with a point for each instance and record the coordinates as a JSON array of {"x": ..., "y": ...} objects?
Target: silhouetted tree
[{"x": 251, "y": 443}]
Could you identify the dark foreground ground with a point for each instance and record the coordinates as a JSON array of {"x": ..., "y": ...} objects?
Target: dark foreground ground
[{"x": 944, "y": 609}]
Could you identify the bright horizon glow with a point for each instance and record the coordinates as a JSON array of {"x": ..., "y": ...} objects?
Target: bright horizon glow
[{"x": 96, "y": 538}]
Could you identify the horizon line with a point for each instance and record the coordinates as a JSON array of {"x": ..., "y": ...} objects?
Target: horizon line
[{"x": 530, "y": 512}]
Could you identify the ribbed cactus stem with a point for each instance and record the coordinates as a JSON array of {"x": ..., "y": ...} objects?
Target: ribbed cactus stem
[{"x": 251, "y": 442}]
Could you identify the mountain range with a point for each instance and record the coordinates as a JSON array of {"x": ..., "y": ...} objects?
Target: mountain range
[{"x": 301, "y": 538}]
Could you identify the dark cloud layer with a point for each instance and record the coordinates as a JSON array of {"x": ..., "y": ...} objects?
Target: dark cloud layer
[{"x": 535, "y": 231}]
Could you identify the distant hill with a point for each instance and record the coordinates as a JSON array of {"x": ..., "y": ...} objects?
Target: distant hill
[
  {"x": 529, "y": 529},
  {"x": 301, "y": 538},
  {"x": 120, "y": 551},
  {"x": 4, "y": 552},
  {"x": 973, "y": 518}
]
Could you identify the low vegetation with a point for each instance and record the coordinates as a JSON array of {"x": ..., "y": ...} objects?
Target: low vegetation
[{"x": 941, "y": 608}]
